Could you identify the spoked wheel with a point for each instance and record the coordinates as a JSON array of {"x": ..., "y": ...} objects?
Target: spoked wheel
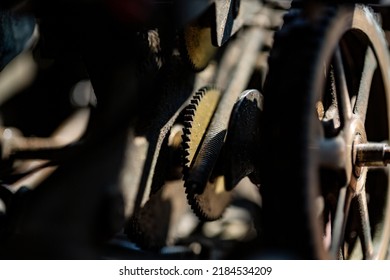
[{"x": 326, "y": 117}]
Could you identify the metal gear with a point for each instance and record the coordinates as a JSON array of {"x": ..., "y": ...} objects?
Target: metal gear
[
  {"x": 204, "y": 181},
  {"x": 212, "y": 202},
  {"x": 209, "y": 202},
  {"x": 196, "y": 44},
  {"x": 197, "y": 116}
]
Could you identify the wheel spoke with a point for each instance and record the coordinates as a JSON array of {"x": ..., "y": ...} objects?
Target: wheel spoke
[
  {"x": 344, "y": 103},
  {"x": 370, "y": 65},
  {"x": 340, "y": 221},
  {"x": 365, "y": 231}
]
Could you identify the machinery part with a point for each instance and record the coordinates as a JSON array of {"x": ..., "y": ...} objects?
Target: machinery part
[
  {"x": 154, "y": 159},
  {"x": 145, "y": 143},
  {"x": 225, "y": 13},
  {"x": 197, "y": 116},
  {"x": 251, "y": 41},
  {"x": 210, "y": 200},
  {"x": 201, "y": 202},
  {"x": 372, "y": 154},
  {"x": 152, "y": 228},
  {"x": 243, "y": 139},
  {"x": 326, "y": 204},
  {"x": 202, "y": 37},
  {"x": 152, "y": 225},
  {"x": 196, "y": 47},
  {"x": 231, "y": 16}
]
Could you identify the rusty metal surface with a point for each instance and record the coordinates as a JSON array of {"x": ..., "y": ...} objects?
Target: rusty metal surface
[{"x": 243, "y": 139}]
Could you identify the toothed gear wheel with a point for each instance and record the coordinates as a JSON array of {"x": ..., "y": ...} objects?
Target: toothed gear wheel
[
  {"x": 196, "y": 45},
  {"x": 197, "y": 116},
  {"x": 212, "y": 202},
  {"x": 209, "y": 202}
]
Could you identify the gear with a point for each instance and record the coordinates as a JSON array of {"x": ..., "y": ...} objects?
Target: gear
[
  {"x": 196, "y": 44},
  {"x": 212, "y": 202},
  {"x": 209, "y": 202},
  {"x": 197, "y": 116}
]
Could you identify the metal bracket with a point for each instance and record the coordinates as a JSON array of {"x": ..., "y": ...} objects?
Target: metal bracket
[{"x": 230, "y": 16}]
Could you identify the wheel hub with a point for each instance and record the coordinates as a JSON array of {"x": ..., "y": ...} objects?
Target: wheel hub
[
  {"x": 356, "y": 135},
  {"x": 364, "y": 155}
]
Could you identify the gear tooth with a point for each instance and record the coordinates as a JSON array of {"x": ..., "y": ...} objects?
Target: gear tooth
[
  {"x": 193, "y": 200},
  {"x": 189, "y": 112},
  {"x": 195, "y": 206},
  {"x": 204, "y": 90},
  {"x": 185, "y": 138},
  {"x": 186, "y": 161},
  {"x": 188, "y": 123},
  {"x": 186, "y": 171},
  {"x": 188, "y": 119},
  {"x": 186, "y": 158},
  {"x": 195, "y": 102},
  {"x": 186, "y": 141},
  {"x": 191, "y": 107},
  {"x": 198, "y": 97},
  {"x": 188, "y": 115},
  {"x": 185, "y": 147},
  {"x": 201, "y": 92}
]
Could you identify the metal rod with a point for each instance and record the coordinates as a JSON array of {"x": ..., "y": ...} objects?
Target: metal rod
[{"x": 372, "y": 154}]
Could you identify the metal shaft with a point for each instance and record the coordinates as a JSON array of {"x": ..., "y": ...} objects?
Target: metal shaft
[{"x": 372, "y": 154}]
